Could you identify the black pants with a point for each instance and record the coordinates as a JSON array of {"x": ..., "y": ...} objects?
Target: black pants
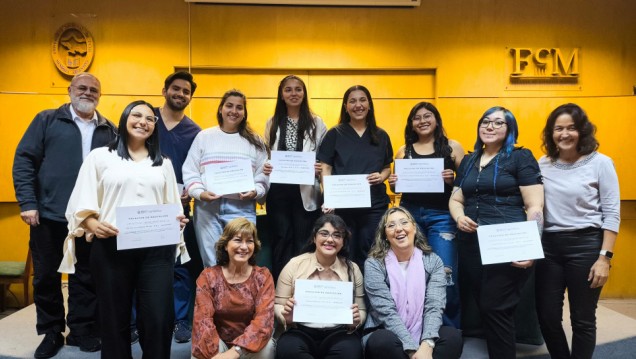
[
  {"x": 289, "y": 224},
  {"x": 47, "y": 243},
  {"x": 362, "y": 222},
  {"x": 384, "y": 344},
  {"x": 149, "y": 273},
  {"x": 497, "y": 289},
  {"x": 568, "y": 259},
  {"x": 310, "y": 343}
]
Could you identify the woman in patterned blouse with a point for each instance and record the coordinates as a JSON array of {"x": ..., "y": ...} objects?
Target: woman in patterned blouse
[{"x": 234, "y": 309}]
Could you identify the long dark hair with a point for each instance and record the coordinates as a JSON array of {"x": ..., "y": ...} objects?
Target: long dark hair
[
  {"x": 244, "y": 129},
  {"x": 339, "y": 225},
  {"x": 120, "y": 144},
  {"x": 306, "y": 123},
  {"x": 441, "y": 146},
  {"x": 586, "y": 129},
  {"x": 371, "y": 124}
]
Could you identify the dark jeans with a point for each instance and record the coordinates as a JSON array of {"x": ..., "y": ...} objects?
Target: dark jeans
[
  {"x": 384, "y": 344},
  {"x": 440, "y": 230},
  {"x": 568, "y": 259},
  {"x": 149, "y": 273},
  {"x": 46, "y": 243},
  {"x": 362, "y": 223},
  {"x": 310, "y": 343},
  {"x": 186, "y": 274},
  {"x": 497, "y": 289},
  {"x": 289, "y": 224}
]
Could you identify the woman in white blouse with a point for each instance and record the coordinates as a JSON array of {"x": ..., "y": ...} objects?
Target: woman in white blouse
[{"x": 129, "y": 172}]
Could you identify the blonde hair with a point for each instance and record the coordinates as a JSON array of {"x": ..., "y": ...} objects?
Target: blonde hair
[{"x": 381, "y": 244}]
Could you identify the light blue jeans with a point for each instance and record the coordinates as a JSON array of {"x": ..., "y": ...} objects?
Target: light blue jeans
[
  {"x": 211, "y": 217},
  {"x": 440, "y": 230}
]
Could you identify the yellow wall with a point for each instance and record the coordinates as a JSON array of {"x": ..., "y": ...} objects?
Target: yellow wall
[{"x": 463, "y": 46}]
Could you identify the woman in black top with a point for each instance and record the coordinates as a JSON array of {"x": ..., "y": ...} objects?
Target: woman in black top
[
  {"x": 498, "y": 183},
  {"x": 358, "y": 146},
  {"x": 424, "y": 137}
]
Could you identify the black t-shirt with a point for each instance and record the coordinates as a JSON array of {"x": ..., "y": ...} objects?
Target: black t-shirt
[
  {"x": 490, "y": 201},
  {"x": 350, "y": 154},
  {"x": 429, "y": 200}
]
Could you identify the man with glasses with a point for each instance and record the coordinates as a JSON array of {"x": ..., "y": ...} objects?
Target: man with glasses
[{"x": 45, "y": 167}]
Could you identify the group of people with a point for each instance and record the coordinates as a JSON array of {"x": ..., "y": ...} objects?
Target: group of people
[{"x": 406, "y": 260}]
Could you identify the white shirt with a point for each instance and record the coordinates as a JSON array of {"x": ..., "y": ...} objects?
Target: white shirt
[{"x": 87, "y": 128}]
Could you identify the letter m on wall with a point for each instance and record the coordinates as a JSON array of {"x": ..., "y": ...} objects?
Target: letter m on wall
[{"x": 570, "y": 67}]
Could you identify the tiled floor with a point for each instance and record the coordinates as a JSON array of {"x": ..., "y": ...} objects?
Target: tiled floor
[{"x": 616, "y": 322}]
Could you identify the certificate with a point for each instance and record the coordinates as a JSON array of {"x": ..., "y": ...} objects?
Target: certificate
[
  {"x": 419, "y": 175},
  {"x": 509, "y": 242},
  {"x": 148, "y": 226},
  {"x": 347, "y": 191},
  {"x": 323, "y": 301},
  {"x": 293, "y": 167},
  {"x": 229, "y": 177}
]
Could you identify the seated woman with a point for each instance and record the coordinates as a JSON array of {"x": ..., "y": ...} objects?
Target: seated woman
[
  {"x": 325, "y": 258},
  {"x": 234, "y": 306},
  {"x": 406, "y": 286}
]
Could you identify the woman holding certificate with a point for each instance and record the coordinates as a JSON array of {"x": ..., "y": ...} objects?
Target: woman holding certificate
[
  {"x": 234, "y": 310},
  {"x": 357, "y": 146},
  {"x": 406, "y": 286},
  {"x": 231, "y": 142},
  {"x": 325, "y": 259},
  {"x": 582, "y": 217},
  {"x": 425, "y": 138},
  {"x": 498, "y": 183},
  {"x": 129, "y": 172},
  {"x": 292, "y": 208}
]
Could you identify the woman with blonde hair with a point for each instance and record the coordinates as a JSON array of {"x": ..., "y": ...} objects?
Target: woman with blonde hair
[{"x": 234, "y": 305}]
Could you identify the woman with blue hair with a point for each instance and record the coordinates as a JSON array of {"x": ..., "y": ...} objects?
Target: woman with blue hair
[{"x": 497, "y": 183}]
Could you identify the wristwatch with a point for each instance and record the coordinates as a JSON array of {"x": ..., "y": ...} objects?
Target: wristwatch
[
  {"x": 606, "y": 253},
  {"x": 238, "y": 349},
  {"x": 430, "y": 342}
]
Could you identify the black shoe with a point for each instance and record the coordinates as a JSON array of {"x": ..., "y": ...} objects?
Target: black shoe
[
  {"x": 134, "y": 335},
  {"x": 182, "y": 332},
  {"x": 50, "y": 345},
  {"x": 86, "y": 343}
]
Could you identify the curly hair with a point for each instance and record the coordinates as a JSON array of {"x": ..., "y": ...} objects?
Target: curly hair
[
  {"x": 586, "y": 129},
  {"x": 236, "y": 227},
  {"x": 381, "y": 244}
]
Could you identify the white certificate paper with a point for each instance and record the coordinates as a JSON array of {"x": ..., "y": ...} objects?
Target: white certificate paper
[
  {"x": 322, "y": 301},
  {"x": 419, "y": 175},
  {"x": 148, "y": 226},
  {"x": 229, "y": 177},
  {"x": 293, "y": 167},
  {"x": 347, "y": 191},
  {"x": 509, "y": 242}
]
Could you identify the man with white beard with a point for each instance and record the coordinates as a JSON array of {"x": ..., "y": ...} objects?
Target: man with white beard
[{"x": 46, "y": 164}]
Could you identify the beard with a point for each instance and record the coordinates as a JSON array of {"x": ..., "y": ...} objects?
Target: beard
[
  {"x": 174, "y": 106},
  {"x": 84, "y": 106}
]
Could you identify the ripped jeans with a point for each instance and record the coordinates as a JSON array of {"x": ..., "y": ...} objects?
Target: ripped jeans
[{"x": 440, "y": 230}]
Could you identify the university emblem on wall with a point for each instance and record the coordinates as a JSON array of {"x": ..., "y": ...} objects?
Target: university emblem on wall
[{"x": 72, "y": 49}]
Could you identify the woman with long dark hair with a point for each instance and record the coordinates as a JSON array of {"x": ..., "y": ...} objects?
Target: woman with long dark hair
[
  {"x": 292, "y": 208},
  {"x": 358, "y": 146},
  {"x": 425, "y": 138},
  {"x": 497, "y": 183},
  {"x": 129, "y": 172},
  {"x": 582, "y": 218},
  {"x": 231, "y": 140},
  {"x": 325, "y": 258}
]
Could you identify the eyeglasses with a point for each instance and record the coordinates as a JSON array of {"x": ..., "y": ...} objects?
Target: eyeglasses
[
  {"x": 150, "y": 119},
  {"x": 83, "y": 89},
  {"x": 495, "y": 124},
  {"x": 428, "y": 116},
  {"x": 392, "y": 226},
  {"x": 337, "y": 236}
]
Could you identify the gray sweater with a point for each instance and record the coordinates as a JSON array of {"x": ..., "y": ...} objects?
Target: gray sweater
[{"x": 382, "y": 312}]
